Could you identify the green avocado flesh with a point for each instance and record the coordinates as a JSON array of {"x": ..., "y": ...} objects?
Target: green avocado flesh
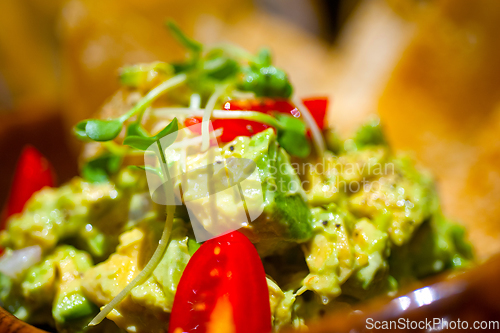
[{"x": 364, "y": 223}]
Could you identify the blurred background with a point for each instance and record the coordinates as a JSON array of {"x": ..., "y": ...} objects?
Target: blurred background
[{"x": 430, "y": 69}]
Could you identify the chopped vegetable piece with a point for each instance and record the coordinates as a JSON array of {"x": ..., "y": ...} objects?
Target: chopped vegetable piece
[
  {"x": 223, "y": 286},
  {"x": 33, "y": 172},
  {"x": 233, "y": 128},
  {"x": 318, "y": 108}
]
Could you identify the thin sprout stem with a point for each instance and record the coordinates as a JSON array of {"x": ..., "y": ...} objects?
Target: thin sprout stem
[
  {"x": 193, "y": 141},
  {"x": 116, "y": 149},
  {"x": 207, "y": 114},
  {"x": 222, "y": 114},
  {"x": 145, "y": 273},
  {"x": 164, "y": 166},
  {"x": 195, "y": 101},
  {"x": 248, "y": 115},
  {"x": 234, "y": 50},
  {"x": 319, "y": 144},
  {"x": 141, "y": 113},
  {"x": 154, "y": 94},
  {"x": 162, "y": 154}
]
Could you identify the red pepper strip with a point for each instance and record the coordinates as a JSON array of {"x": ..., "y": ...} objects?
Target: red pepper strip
[
  {"x": 317, "y": 107},
  {"x": 33, "y": 172},
  {"x": 231, "y": 128},
  {"x": 222, "y": 289}
]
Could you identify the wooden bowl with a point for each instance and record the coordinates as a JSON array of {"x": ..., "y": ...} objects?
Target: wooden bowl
[{"x": 10, "y": 324}]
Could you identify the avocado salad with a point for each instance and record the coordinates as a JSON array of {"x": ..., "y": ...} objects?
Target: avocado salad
[{"x": 341, "y": 220}]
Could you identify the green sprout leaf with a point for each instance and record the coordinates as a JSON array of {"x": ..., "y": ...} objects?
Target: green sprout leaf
[
  {"x": 295, "y": 143},
  {"x": 221, "y": 68},
  {"x": 100, "y": 169},
  {"x": 79, "y": 130},
  {"x": 292, "y": 135},
  {"x": 144, "y": 142},
  {"x": 139, "y": 142},
  {"x": 290, "y": 123},
  {"x": 189, "y": 43},
  {"x": 264, "y": 58},
  {"x": 181, "y": 67},
  {"x": 103, "y": 130},
  {"x": 106, "y": 130},
  {"x": 170, "y": 128},
  {"x": 136, "y": 129},
  {"x": 265, "y": 81}
]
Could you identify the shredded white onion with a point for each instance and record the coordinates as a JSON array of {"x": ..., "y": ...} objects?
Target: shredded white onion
[
  {"x": 311, "y": 123},
  {"x": 207, "y": 114},
  {"x": 14, "y": 264}
]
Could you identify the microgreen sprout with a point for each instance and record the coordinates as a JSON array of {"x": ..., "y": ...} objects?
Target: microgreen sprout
[
  {"x": 143, "y": 142},
  {"x": 106, "y": 130}
]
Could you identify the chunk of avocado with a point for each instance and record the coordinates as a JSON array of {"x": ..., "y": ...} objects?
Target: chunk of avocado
[
  {"x": 438, "y": 244},
  {"x": 330, "y": 253},
  {"x": 286, "y": 217},
  {"x": 74, "y": 212},
  {"x": 70, "y": 303}
]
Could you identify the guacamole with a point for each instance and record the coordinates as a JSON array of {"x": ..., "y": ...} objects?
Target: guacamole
[
  {"x": 340, "y": 220},
  {"x": 324, "y": 246}
]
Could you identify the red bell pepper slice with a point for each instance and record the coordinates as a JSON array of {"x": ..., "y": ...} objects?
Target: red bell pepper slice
[
  {"x": 318, "y": 107},
  {"x": 222, "y": 289},
  {"x": 33, "y": 172},
  {"x": 231, "y": 128}
]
